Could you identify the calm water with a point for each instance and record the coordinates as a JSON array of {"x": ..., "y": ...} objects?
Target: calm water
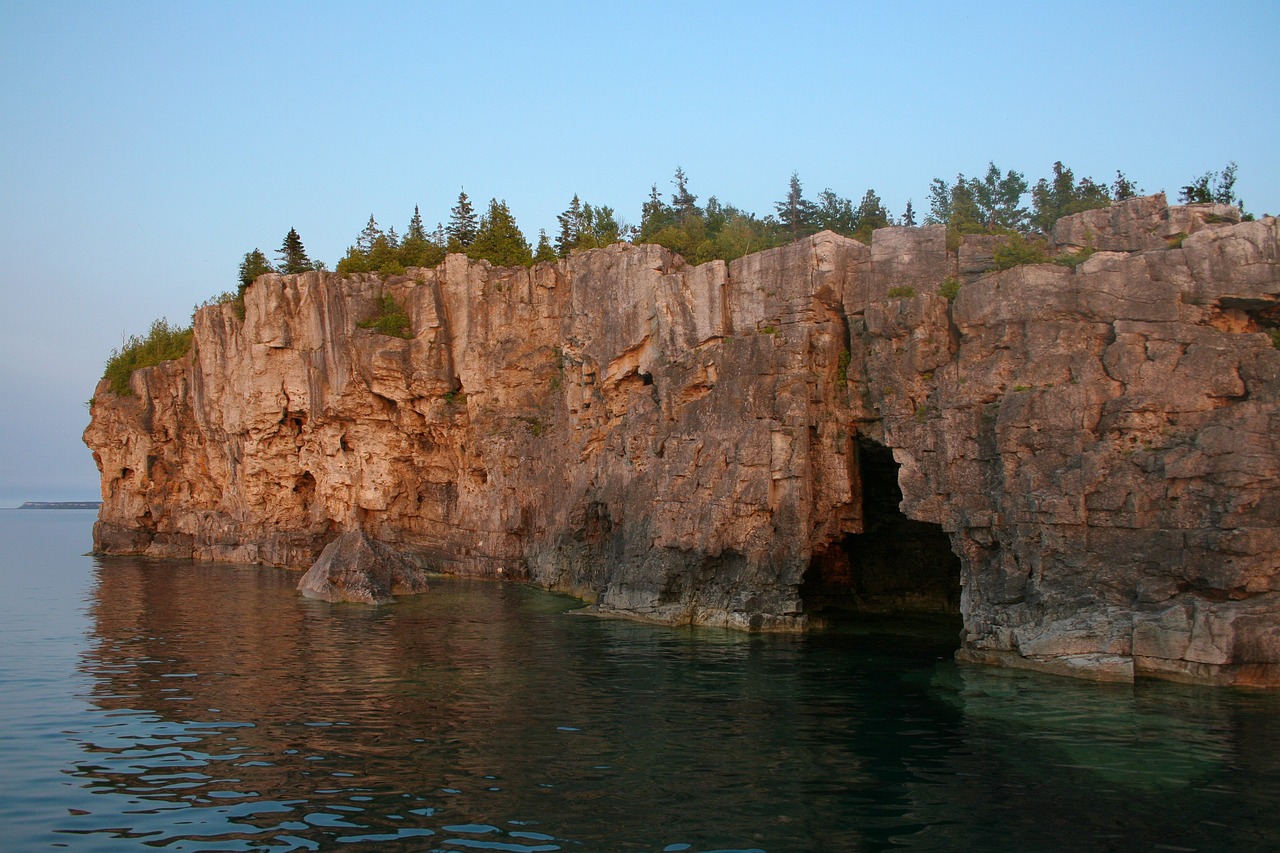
[{"x": 180, "y": 706}]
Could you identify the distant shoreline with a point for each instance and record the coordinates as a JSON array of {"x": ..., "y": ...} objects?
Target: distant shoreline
[{"x": 61, "y": 505}]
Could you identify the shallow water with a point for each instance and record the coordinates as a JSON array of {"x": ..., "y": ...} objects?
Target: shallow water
[{"x": 184, "y": 706}]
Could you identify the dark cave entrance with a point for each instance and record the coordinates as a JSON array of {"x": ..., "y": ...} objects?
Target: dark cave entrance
[{"x": 896, "y": 572}]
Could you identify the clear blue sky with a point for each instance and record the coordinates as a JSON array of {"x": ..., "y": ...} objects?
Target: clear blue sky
[{"x": 145, "y": 147}]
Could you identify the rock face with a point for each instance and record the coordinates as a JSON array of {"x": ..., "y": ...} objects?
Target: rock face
[
  {"x": 1083, "y": 464},
  {"x": 354, "y": 567}
]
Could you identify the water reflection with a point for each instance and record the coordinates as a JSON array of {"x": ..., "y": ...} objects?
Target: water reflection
[{"x": 231, "y": 713}]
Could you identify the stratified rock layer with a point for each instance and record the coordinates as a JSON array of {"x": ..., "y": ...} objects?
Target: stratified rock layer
[{"x": 1095, "y": 449}]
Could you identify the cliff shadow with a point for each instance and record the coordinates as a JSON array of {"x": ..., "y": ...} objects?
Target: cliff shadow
[{"x": 897, "y": 573}]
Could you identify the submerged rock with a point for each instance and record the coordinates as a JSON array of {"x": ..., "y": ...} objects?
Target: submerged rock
[{"x": 354, "y": 567}]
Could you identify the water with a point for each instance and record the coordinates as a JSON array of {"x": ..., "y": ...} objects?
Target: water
[{"x": 181, "y": 706}]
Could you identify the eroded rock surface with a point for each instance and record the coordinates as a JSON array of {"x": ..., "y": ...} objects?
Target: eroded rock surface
[
  {"x": 356, "y": 568},
  {"x": 1083, "y": 464}
]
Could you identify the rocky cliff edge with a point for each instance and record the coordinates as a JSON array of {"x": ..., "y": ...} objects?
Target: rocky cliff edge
[{"x": 1082, "y": 463}]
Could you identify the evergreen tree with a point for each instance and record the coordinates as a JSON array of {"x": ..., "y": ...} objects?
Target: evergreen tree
[
  {"x": 870, "y": 215},
  {"x": 1123, "y": 187},
  {"x": 418, "y": 249},
  {"x": 254, "y": 264},
  {"x": 909, "y": 215},
  {"x": 1063, "y": 197},
  {"x": 571, "y": 227},
  {"x": 416, "y": 231},
  {"x": 1212, "y": 187},
  {"x": 293, "y": 257},
  {"x": 655, "y": 215},
  {"x": 369, "y": 236},
  {"x": 796, "y": 213},
  {"x": 683, "y": 201},
  {"x": 463, "y": 227},
  {"x": 498, "y": 239},
  {"x": 835, "y": 213},
  {"x": 544, "y": 252}
]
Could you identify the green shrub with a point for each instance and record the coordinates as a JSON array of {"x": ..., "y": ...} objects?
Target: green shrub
[
  {"x": 1074, "y": 259},
  {"x": 162, "y": 343},
  {"x": 1018, "y": 251},
  {"x": 769, "y": 330},
  {"x": 389, "y": 318},
  {"x": 901, "y": 291},
  {"x": 1175, "y": 241},
  {"x": 950, "y": 288},
  {"x": 1275, "y": 337},
  {"x": 842, "y": 369}
]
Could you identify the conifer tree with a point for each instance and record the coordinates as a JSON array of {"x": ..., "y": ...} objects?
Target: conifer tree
[
  {"x": 570, "y": 227},
  {"x": 909, "y": 215},
  {"x": 544, "y": 252},
  {"x": 870, "y": 215},
  {"x": 683, "y": 201},
  {"x": 369, "y": 236},
  {"x": 416, "y": 231},
  {"x": 795, "y": 212},
  {"x": 254, "y": 264},
  {"x": 463, "y": 227},
  {"x": 293, "y": 257},
  {"x": 498, "y": 239},
  {"x": 1064, "y": 196}
]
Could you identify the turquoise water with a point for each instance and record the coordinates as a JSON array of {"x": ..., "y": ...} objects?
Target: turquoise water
[{"x": 181, "y": 706}]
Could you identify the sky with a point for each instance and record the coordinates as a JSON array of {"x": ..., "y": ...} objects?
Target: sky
[{"x": 146, "y": 147}]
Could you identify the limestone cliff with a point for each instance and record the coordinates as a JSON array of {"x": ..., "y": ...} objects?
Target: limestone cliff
[{"x": 1083, "y": 463}]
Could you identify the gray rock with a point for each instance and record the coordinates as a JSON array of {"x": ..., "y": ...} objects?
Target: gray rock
[{"x": 355, "y": 567}]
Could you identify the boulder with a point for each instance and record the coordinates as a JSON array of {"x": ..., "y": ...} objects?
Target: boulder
[{"x": 355, "y": 567}]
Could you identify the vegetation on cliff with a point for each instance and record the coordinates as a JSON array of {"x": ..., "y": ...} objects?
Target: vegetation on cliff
[
  {"x": 164, "y": 342},
  {"x": 991, "y": 204}
]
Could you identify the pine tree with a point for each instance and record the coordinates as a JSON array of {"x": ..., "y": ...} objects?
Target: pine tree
[
  {"x": 498, "y": 239},
  {"x": 654, "y": 216},
  {"x": 909, "y": 215},
  {"x": 795, "y": 212},
  {"x": 368, "y": 236},
  {"x": 416, "y": 231},
  {"x": 570, "y": 227},
  {"x": 1123, "y": 187},
  {"x": 870, "y": 215},
  {"x": 683, "y": 201},
  {"x": 254, "y": 264},
  {"x": 463, "y": 226},
  {"x": 293, "y": 257},
  {"x": 544, "y": 251}
]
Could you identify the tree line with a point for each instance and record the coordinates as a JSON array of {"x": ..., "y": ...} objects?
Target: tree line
[{"x": 993, "y": 203}]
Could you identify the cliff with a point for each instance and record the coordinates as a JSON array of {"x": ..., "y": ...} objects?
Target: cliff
[{"x": 1084, "y": 463}]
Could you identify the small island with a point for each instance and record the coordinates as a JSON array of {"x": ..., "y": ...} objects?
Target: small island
[{"x": 61, "y": 505}]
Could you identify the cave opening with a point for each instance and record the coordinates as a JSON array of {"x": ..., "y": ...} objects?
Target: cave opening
[{"x": 897, "y": 574}]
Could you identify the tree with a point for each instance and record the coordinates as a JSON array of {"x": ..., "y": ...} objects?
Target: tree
[
  {"x": 499, "y": 240},
  {"x": 655, "y": 215},
  {"x": 544, "y": 252},
  {"x": 973, "y": 205},
  {"x": 683, "y": 201},
  {"x": 254, "y": 264},
  {"x": 870, "y": 215},
  {"x": 417, "y": 249},
  {"x": 1123, "y": 187},
  {"x": 909, "y": 215},
  {"x": 293, "y": 257},
  {"x": 1064, "y": 196},
  {"x": 462, "y": 227},
  {"x": 796, "y": 213},
  {"x": 835, "y": 213},
  {"x": 1213, "y": 188},
  {"x": 368, "y": 236},
  {"x": 571, "y": 227}
]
